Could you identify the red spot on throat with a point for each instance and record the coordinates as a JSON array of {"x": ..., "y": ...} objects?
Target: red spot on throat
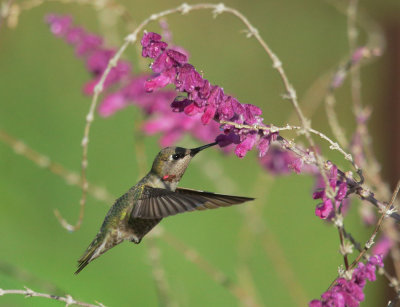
[{"x": 168, "y": 177}]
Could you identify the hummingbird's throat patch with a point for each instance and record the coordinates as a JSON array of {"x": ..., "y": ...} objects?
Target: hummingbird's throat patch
[{"x": 168, "y": 178}]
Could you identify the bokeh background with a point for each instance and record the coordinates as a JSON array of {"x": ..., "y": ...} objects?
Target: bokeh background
[{"x": 287, "y": 260}]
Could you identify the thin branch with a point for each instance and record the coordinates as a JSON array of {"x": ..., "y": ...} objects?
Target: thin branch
[
  {"x": 309, "y": 158},
  {"x": 385, "y": 213},
  {"x": 333, "y": 120},
  {"x": 118, "y": 8},
  {"x": 291, "y": 93},
  {"x": 272, "y": 128},
  {"x": 394, "y": 301},
  {"x": 159, "y": 276},
  {"x": 217, "y": 275},
  {"x": 256, "y": 227},
  {"x": 375, "y": 44},
  {"x": 68, "y": 300},
  {"x": 13, "y": 271},
  {"x": 43, "y": 161},
  {"x": 352, "y": 35},
  {"x": 340, "y": 228},
  {"x": 5, "y": 10},
  {"x": 393, "y": 282}
]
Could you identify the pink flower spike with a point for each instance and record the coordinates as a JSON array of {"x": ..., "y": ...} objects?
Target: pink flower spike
[
  {"x": 382, "y": 247},
  {"x": 157, "y": 125},
  {"x": 251, "y": 113},
  {"x": 224, "y": 140},
  {"x": 89, "y": 43},
  {"x": 341, "y": 193},
  {"x": 246, "y": 145},
  {"x": 208, "y": 115},
  {"x": 112, "y": 104},
  {"x": 170, "y": 138},
  {"x": 98, "y": 61},
  {"x": 296, "y": 165},
  {"x": 263, "y": 146},
  {"x": 162, "y": 63},
  {"x": 319, "y": 194},
  {"x": 188, "y": 78},
  {"x": 59, "y": 25},
  {"x": 160, "y": 81},
  {"x": 349, "y": 293},
  {"x": 207, "y": 100},
  {"x": 179, "y": 105},
  {"x": 177, "y": 56},
  {"x": 74, "y": 36},
  {"x": 225, "y": 109},
  {"x": 152, "y": 45},
  {"x": 150, "y": 37},
  {"x": 376, "y": 260},
  {"x": 88, "y": 88},
  {"x": 324, "y": 209},
  {"x": 315, "y": 303},
  {"x": 192, "y": 109}
]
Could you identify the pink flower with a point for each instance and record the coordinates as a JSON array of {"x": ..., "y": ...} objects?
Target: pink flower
[
  {"x": 382, "y": 247},
  {"x": 112, "y": 103},
  {"x": 349, "y": 293},
  {"x": 246, "y": 145},
  {"x": 280, "y": 162},
  {"x": 325, "y": 210},
  {"x": 59, "y": 25},
  {"x": 170, "y": 67},
  {"x": 130, "y": 89}
]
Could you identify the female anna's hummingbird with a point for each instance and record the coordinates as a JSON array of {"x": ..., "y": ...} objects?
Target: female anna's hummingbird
[{"x": 154, "y": 197}]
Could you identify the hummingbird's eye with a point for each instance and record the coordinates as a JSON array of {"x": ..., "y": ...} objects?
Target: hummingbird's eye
[{"x": 177, "y": 156}]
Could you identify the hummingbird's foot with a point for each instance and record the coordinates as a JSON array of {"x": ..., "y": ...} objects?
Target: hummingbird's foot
[{"x": 136, "y": 240}]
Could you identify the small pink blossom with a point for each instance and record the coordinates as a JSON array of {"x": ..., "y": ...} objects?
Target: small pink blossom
[
  {"x": 112, "y": 103},
  {"x": 349, "y": 293},
  {"x": 382, "y": 247},
  {"x": 246, "y": 145},
  {"x": 325, "y": 210}
]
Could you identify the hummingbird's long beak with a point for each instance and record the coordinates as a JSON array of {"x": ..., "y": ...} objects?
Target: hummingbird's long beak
[{"x": 194, "y": 151}]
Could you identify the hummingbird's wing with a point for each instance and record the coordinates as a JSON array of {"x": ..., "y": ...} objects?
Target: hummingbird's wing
[{"x": 159, "y": 203}]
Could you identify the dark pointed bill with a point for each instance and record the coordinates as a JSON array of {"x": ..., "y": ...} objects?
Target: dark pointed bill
[{"x": 194, "y": 151}]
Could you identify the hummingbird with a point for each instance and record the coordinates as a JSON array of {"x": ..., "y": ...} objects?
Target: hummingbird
[{"x": 153, "y": 198}]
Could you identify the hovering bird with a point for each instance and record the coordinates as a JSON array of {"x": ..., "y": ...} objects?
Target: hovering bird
[{"x": 154, "y": 197}]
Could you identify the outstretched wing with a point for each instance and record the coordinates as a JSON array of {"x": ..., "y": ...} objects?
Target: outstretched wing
[{"x": 159, "y": 203}]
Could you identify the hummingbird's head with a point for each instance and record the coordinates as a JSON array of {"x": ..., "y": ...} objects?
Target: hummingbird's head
[{"x": 171, "y": 162}]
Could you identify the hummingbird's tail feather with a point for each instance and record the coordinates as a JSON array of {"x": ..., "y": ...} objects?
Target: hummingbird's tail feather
[{"x": 95, "y": 249}]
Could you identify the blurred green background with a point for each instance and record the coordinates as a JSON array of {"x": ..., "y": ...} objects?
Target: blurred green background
[{"x": 288, "y": 260}]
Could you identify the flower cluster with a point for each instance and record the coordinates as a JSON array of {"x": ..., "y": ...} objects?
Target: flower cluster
[
  {"x": 281, "y": 162},
  {"x": 326, "y": 209},
  {"x": 129, "y": 88},
  {"x": 89, "y": 47},
  {"x": 203, "y": 99},
  {"x": 349, "y": 293}
]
